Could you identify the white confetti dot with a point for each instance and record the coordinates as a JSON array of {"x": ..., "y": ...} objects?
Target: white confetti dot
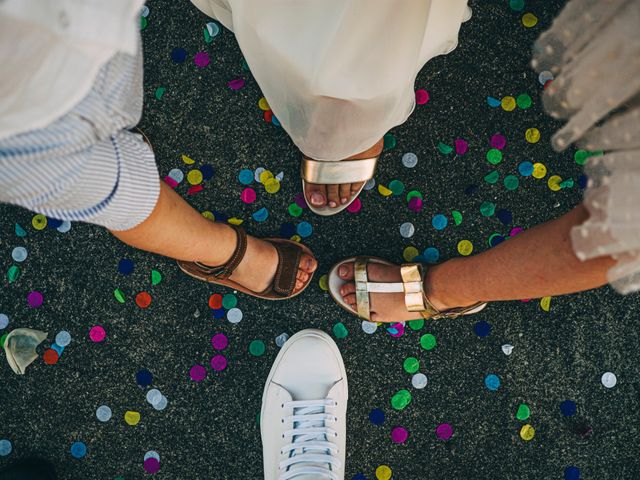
[
  {"x": 151, "y": 454},
  {"x": 281, "y": 339},
  {"x": 63, "y": 338},
  {"x": 409, "y": 160},
  {"x": 154, "y": 396},
  {"x": 162, "y": 404},
  {"x": 234, "y": 315},
  {"x": 103, "y": 413},
  {"x": 609, "y": 379},
  {"x": 419, "y": 381},
  {"x": 370, "y": 184},
  {"x": 507, "y": 349},
  {"x": 407, "y": 230},
  {"x": 369, "y": 327}
]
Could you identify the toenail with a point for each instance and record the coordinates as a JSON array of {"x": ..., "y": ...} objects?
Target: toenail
[
  {"x": 317, "y": 198},
  {"x": 343, "y": 200},
  {"x": 343, "y": 271},
  {"x": 332, "y": 204}
]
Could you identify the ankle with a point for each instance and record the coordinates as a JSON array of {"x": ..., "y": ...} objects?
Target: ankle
[
  {"x": 226, "y": 240},
  {"x": 438, "y": 289}
]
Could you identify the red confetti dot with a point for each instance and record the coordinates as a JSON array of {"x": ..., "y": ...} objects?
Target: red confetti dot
[
  {"x": 268, "y": 116},
  {"x": 50, "y": 357},
  {"x": 422, "y": 97},
  {"x": 143, "y": 299},
  {"x": 215, "y": 301}
]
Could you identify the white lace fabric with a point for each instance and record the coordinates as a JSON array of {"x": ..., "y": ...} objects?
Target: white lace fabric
[
  {"x": 310, "y": 452},
  {"x": 593, "y": 50}
]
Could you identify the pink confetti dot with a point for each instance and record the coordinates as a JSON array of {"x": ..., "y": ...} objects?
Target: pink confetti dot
[
  {"x": 399, "y": 435},
  {"x": 35, "y": 299},
  {"x": 197, "y": 373},
  {"x": 415, "y": 204},
  {"x": 201, "y": 59},
  {"x": 248, "y": 195},
  {"x": 515, "y": 231},
  {"x": 151, "y": 465},
  {"x": 97, "y": 334},
  {"x": 170, "y": 181},
  {"x": 399, "y": 328},
  {"x": 461, "y": 146},
  {"x": 219, "y": 363},
  {"x": 219, "y": 341},
  {"x": 355, "y": 206},
  {"x": 422, "y": 97},
  {"x": 236, "y": 84},
  {"x": 498, "y": 141},
  {"x": 444, "y": 431}
]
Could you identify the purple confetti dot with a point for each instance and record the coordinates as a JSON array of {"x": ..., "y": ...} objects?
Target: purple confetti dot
[
  {"x": 515, "y": 231},
  {"x": 415, "y": 204},
  {"x": 151, "y": 465},
  {"x": 301, "y": 201},
  {"x": 444, "y": 431},
  {"x": 461, "y": 146},
  {"x": 197, "y": 373},
  {"x": 35, "y": 299},
  {"x": 498, "y": 141},
  {"x": 219, "y": 341},
  {"x": 399, "y": 328},
  {"x": 201, "y": 59},
  {"x": 399, "y": 435},
  {"x": 236, "y": 84},
  {"x": 219, "y": 363}
]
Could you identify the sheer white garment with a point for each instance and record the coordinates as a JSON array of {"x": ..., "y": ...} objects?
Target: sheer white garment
[
  {"x": 593, "y": 49},
  {"x": 338, "y": 74}
]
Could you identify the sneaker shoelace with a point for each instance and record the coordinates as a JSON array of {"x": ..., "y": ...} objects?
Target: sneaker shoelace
[{"x": 310, "y": 452}]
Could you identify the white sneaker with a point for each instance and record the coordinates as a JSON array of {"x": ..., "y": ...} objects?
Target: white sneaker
[
  {"x": 467, "y": 14},
  {"x": 304, "y": 410}
]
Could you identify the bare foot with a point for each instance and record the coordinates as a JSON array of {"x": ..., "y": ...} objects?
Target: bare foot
[{"x": 334, "y": 195}]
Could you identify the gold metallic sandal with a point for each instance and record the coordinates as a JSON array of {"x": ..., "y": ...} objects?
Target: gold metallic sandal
[
  {"x": 415, "y": 298},
  {"x": 331, "y": 173},
  {"x": 284, "y": 281}
]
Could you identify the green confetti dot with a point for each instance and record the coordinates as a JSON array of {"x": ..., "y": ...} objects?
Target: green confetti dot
[
  {"x": 3, "y": 339},
  {"x": 229, "y": 301},
  {"x": 444, "y": 148},
  {"x": 295, "y": 210},
  {"x": 389, "y": 142},
  {"x": 511, "y": 182},
  {"x": 245, "y": 65},
  {"x": 257, "y": 348},
  {"x": 340, "y": 331},
  {"x": 494, "y": 156},
  {"x": 156, "y": 277},
  {"x": 207, "y": 36},
  {"x": 411, "y": 365},
  {"x": 492, "y": 177},
  {"x": 416, "y": 324},
  {"x": 414, "y": 193},
  {"x": 428, "y": 341},
  {"x": 143, "y": 23},
  {"x": 401, "y": 399},
  {"x": 397, "y": 187},
  {"x": 581, "y": 156},
  {"x": 119, "y": 295},
  {"x": 523, "y": 101},
  {"x": 568, "y": 183},
  {"x": 160, "y": 92},
  {"x": 13, "y": 273},
  {"x": 517, "y": 5},
  {"x": 523, "y": 412},
  {"x": 21, "y": 232},
  {"x": 457, "y": 217},
  {"x": 490, "y": 241},
  {"x": 487, "y": 209}
]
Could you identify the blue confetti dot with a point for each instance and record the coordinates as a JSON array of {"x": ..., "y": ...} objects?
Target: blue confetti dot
[
  {"x": 213, "y": 29},
  {"x": 572, "y": 473},
  {"x": 220, "y": 217},
  {"x": 431, "y": 255},
  {"x": 4, "y": 321},
  {"x": 275, "y": 121},
  {"x": 482, "y": 328},
  {"x": 125, "y": 266},
  {"x": 304, "y": 229},
  {"x": 218, "y": 312},
  {"x": 5, "y": 447},
  {"x": 492, "y": 382},
  {"x": 583, "y": 180},
  {"x": 287, "y": 230},
  {"x": 178, "y": 55},
  {"x": 20, "y": 231},
  {"x": 525, "y": 169},
  {"x": 504, "y": 216},
  {"x": 358, "y": 476},
  {"x": 261, "y": 215},
  {"x": 144, "y": 377},
  {"x": 207, "y": 172},
  {"x": 568, "y": 408},
  {"x": 78, "y": 449},
  {"x": 65, "y": 226},
  {"x": 493, "y": 102},
  {"x": 376, "y": 416},
  {"x": 439, "y": 221},
  {"x": 245, "y": 177},
  {"x": 471, "y": 189},
  {"x": 53, "y": 222},
  {"x": 495, "y": 240},
  {"x": 58, "y": 348}
]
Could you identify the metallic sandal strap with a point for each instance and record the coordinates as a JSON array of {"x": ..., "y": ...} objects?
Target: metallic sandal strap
[{"x": 362, "y": 294}]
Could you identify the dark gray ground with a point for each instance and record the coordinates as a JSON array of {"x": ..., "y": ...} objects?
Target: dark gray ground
[{"x": 209, "y": 429}]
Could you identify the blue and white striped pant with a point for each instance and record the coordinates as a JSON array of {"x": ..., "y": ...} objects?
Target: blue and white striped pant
[{"x": 87, "y": 166}]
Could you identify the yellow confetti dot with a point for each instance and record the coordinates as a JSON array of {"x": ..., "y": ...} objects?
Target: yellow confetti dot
[
  {"x": 410, "y": 253},
  {"x": 296, "y": 238},
  {"x": 465, "y": 247},
  {"x": 545, "y": 303},
  {"x": 272, "y": 185},
  {"x": 208, "y": 215},
  {"x": 266, "y": 175},
  {"x": 324, "y": 282},
  {"x": 527, "y": 432},
  {"x": 532, "y": 135},
  {"x": 187, "y": 160},
  {"x": 383, "y": 472},
  {"x": 384, "y": 191},
  {"x": 539, "y": 170},
  {"x": 132, "y": 418},
  {"x": 263, "y": 104},
  {"x": 529, "y": 20},
  {"x": 235, "y": 221},
  {"x": 554, "y": 182},
  {"x": 508, "y": 103},
  {"x": 194, "y": 177},
  {"x": 39, "y": 221}
]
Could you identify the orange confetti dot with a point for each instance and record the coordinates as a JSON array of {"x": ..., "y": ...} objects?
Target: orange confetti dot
[
  {"x": 143, "y": 299},
  {"x": 215, "y": 301}
]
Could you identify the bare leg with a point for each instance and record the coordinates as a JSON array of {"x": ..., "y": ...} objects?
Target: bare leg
[
  {"x": 175, "y": 229},
  {"x": 536, "y": 263}
]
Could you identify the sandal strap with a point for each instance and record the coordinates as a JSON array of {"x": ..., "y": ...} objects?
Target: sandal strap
[
  {"x": 362, "y": 291},
  {"x": 284, "y": 281},
  {"x": 452, "y": 312},
  {"x": 344, "y": 171},
  {"x": 222, "y": 272}
]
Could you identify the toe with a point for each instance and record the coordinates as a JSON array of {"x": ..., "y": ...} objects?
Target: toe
[
  {"x": 347, "y": 289},
  {"x": 355, "y": 187},
  {"x": 299, "y": 286},
  {"x": 333, "y": 196},
  {"x": 316, "y": 194},
  {"x": 308, "y": 263},
  {"x": 350, "y": 299},
  {"x": 345, "y": 193},
  {"x": 345, "y": 271},
  {"x": 302, "y": 276}
]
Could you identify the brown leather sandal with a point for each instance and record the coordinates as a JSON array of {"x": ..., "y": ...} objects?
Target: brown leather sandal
[{"x": 284, "y": 281}]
